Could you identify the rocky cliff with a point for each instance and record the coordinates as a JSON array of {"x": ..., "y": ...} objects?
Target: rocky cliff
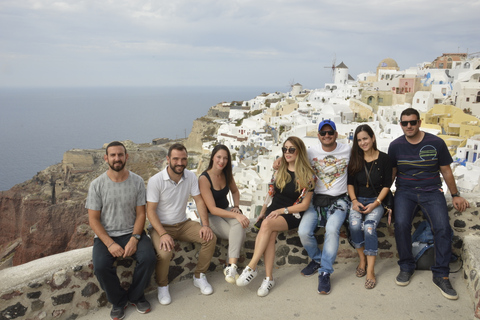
[
  {"x": 203, "y": 129},
  {"x": 46, "y": 215}
]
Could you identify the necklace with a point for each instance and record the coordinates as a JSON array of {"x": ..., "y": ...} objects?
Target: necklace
[{"x": 368, "y": 177}]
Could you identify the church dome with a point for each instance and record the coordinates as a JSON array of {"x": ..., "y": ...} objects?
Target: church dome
[{"x": 388, "y": 63}]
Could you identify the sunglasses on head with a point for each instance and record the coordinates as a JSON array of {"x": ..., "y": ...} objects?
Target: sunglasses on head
[
  {"x": 290, "y": 150},
  {"x": 330, "y": 132},
  {"x": 412, "y": 123}
]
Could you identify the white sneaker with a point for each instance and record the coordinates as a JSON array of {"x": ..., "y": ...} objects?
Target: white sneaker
[
  {"x": 230, "y": 273},
  {"x": 265, "y": 288},
  {"x": 164, "y": 295},
  {"x": 247, "y": 275},
  {"x": 203, "y": 284}
]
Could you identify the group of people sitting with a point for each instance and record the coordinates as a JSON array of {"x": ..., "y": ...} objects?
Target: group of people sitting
[{"x": 319, "y": 187}]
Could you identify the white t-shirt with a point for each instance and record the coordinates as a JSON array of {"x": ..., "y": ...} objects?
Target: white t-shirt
[
  {"x": 172, "y": 197},
  {"x": 331, "y": 168}
]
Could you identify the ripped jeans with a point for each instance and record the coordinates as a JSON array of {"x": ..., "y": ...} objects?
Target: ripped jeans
[
  {"x": 363, "y": 227},
  {"x": 336, "y": 215}
]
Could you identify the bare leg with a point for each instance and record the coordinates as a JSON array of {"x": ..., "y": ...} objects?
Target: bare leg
[
  {"x": 269, "y": 255},
  {"x": 263, "y": 238},
  {"x": 363, "y": 260},
  {"x": 371, "y": 267}
]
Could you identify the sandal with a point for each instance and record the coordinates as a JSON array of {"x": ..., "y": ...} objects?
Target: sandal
[
  {"x": 360, "y": 272},
  {"x": 370, "y": 283}
]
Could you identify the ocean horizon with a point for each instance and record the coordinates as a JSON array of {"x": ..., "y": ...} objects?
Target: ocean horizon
[{"x": 38, "y": 125}]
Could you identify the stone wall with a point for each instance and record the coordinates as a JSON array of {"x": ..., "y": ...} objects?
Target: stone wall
[
  {"x": 471, "y": 268},
  {"x": 78, "y": 161},
  {"x": 63, "y": 286}
]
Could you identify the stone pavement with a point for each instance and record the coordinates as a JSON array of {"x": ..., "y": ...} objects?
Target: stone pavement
[{"x": 296, "y": 297}]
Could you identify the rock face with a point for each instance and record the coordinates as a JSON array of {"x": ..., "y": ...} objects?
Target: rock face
[
  {"x": 40, "y": 227},
  {"x": 47, "y": 215},
  {"x": 203, "y": 129}
]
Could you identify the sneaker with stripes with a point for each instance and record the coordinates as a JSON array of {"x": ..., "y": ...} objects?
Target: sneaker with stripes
[{"x": 247, "y": 275}]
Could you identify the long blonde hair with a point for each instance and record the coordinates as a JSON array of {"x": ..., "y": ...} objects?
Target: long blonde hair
[{"x": 303, "y": 171}]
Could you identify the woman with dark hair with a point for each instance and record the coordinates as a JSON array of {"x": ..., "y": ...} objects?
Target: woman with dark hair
[
  {"x": 369, "y": 181},
  {"x": 293, "y": 186},
  {"x": 226, "y": 221}
]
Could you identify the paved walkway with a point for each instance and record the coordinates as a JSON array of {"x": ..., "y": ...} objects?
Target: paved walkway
[{"x": 296, "y": 297}]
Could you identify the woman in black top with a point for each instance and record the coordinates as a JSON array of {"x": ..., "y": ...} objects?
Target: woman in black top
[
  {"x": 294, "y": 184},
  {"x": 226, "y": 221},
  {"x": 369, "y": 181}
]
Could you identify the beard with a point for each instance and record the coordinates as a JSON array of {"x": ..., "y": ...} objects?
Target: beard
[
  {"x": 177, "y": 169},
  {"x": 117, "y": 168}
]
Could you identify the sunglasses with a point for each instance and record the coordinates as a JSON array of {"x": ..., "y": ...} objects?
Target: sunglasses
[
  {"x": 290, "y": 150},
  {"x": 323, "y": 133},
  {"x": 412, "y": 123}
]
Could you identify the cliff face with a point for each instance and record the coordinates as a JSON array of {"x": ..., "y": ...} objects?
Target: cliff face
[
  {"x": 41, "y": 228},
  {"x": 46, "y": 215},
  {"x": 203, "y": 129}
]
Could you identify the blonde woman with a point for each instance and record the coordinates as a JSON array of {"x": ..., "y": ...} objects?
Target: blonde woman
[{"x": 294, "y": 184}]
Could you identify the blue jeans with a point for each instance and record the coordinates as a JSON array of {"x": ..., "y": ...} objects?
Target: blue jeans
[
  {"x": 336, "y": 215},
  {"x": 434, "y": 208},
  {"x": 107, "y": 275},
  {"x": 363, "y": 227}
]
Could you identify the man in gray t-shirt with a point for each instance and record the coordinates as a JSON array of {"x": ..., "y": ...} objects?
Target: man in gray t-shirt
[{"x": 116, "y": 211}]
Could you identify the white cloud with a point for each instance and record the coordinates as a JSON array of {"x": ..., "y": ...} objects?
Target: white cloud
[{"x": 273, "y": 40}]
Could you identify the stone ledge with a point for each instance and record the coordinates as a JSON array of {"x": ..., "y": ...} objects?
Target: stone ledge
[
  {"x": 471, "y": 268},
  {"x": 63, "y": 286}
]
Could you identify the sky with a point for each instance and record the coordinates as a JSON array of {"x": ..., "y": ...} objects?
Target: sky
[{"x": 222, "y": 42}]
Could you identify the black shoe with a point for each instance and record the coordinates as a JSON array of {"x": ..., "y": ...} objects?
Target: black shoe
[
  {"x": 143, "y": 306},
  {"x": 310, "y": 269},
  {"x": 118, "y": 313},
  {"x": 443, "y": 283},
  {"x": 403, "y": 278},
  {"x": 324, "y": 283}
]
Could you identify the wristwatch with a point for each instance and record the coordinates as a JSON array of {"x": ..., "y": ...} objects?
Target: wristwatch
[
  {"x": 455, "y": 194},
  {"x": 286, "y": 211},
  {"x": 137, "y": 236}
]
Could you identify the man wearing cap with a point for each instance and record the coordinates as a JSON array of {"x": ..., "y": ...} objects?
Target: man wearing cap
[{"x": 330, "y": 203}]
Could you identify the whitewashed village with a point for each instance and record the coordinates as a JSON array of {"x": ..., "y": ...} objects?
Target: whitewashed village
[{"x": 445, "y": 91}]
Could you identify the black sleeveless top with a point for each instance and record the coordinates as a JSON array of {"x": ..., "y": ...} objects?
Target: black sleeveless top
[
  {"x": 287, "y": 197},
  {"x": 220, "y": 196}
]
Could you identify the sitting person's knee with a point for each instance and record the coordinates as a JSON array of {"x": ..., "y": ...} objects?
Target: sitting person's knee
[{"x": 163, "y": 254}]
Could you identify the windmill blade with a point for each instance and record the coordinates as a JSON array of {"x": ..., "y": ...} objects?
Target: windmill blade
[{"x": 333, "y": 66}]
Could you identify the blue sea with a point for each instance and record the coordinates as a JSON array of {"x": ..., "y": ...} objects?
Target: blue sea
[{"x": 37, "y": 125}]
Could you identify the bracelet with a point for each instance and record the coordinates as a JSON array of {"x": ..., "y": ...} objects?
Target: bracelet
[
  {"x": 236, "y": 207},
  {"x": 353, "y": 199},
  {"x": 379, "y": 202},
  {"x": 111, "y": 244},
  {"x": 163, "y": 234}
]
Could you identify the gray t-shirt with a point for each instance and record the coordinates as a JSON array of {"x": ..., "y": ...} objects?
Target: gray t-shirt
[{"x": 117, "y": 202}]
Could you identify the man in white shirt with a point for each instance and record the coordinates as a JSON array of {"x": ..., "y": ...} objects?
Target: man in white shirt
[
  {"x": 167, "y": 196},
  {"x": 330, "y": 203}
]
